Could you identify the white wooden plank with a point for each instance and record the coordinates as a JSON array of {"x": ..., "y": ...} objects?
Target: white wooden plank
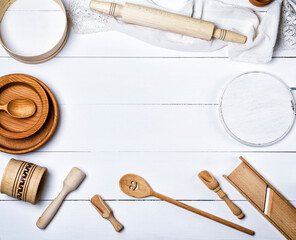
[
  {"x": 115, "y": 44},
  {"x": 142, "y": 220},
  {"x": 171, "y": 173},
  {"x": 142, "y": 81},
  {"x": 148, "y": 128}
]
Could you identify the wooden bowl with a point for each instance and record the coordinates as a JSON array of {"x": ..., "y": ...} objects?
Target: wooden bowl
[
  {"x": 19, "y": 86},
  {"x": 18, "y": 146},
  {"x": 23, "y": 181},
  {"x": 260, "y": 3}
]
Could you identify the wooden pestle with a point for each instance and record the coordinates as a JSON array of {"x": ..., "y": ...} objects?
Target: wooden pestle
[
  {"x": 166, "y": 21},
  {"x": 213, "y": 184},
  {"x": 71, "y": 183}
]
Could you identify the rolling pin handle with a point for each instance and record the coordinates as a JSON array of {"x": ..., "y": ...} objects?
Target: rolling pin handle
[
  {"x": 108, "y": 8},
  {"x": 229, "y": 36}
]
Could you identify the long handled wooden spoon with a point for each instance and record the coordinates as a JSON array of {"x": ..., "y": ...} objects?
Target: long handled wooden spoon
[
  {"x": 213, "y": 184},
  {"x": 135, "y": 186}
]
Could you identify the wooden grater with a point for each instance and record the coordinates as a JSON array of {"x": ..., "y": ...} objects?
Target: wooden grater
[{"x": 273, "y": 206}]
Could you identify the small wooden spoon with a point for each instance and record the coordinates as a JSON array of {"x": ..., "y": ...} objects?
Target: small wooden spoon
[
  {"x": 19, "y": 108},
  {"x": 135, "y": 186},
  {"x": 213, "y": 184}
]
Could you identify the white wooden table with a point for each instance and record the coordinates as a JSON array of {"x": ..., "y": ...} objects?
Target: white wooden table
[{"x": 129, "y": 107}]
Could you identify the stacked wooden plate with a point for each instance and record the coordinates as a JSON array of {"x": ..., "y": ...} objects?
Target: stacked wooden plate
[{"x": 22, "y": 135}]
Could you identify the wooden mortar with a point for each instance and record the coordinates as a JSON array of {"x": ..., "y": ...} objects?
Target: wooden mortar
[{"x": 23, "y": 180}]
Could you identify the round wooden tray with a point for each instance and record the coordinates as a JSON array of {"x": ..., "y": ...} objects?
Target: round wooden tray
[
  {"x": 19, "y": 86},
  {"x": 18, "y": 146}
]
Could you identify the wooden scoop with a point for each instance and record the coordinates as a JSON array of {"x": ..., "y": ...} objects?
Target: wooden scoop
[
  {"x": 135, "y": 186},
  {"x": 213, "y": 184},
  {"x": 71, "y": 183},
  {"x": 19, "y": 108},
  {"x": 105, "y": 211}
]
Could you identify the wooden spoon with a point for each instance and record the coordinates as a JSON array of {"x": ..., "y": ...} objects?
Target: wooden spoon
[
  {"x": 213, "y": 184},
  {"x": 19, "y": 108},
  {"x": 135, "y": 186}
]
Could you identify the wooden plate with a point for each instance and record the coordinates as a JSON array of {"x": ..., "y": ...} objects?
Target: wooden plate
[
  {"x": 20, "y": 86},
  {"x": 18, "y": 146}
]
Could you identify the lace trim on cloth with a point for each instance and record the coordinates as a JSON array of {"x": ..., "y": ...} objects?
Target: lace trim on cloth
[
  {"x": 287, "y": 30},
  {"x": 84, "y": 20}
]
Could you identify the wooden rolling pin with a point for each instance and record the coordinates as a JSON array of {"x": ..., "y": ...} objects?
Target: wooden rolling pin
[
  {"x": 166, "y": 21},
  {"x": 213, "y": 184}
]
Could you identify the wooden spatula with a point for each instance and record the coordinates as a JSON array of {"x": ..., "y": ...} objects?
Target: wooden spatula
[
  {"x": 105, "y": 211},
  {"x": 213, "y": 184},
  {"x": 135, "y": 186}
]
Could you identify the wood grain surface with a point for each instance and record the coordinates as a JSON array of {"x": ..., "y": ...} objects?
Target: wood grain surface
[
  {"x": 282, "y": 213},
  {"x": 19, "y": 86},
  {"x": 34, "y": 141},
  {"x": 276, "y": 208}
]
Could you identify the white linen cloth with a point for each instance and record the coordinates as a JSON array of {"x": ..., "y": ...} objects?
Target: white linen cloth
[{"x": 261, "y": 34}]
